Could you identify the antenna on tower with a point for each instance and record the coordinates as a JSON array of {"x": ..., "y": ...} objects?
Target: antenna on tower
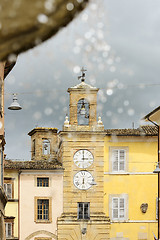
[{"x": 82, "y": 77}]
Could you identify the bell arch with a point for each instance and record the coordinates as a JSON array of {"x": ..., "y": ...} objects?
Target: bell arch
[
  {"x": 46, "y": 147},
  {"x": 83, "y": 107}
]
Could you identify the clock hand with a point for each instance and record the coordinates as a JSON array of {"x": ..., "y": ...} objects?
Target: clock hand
[{"x": 83, "y": 181}]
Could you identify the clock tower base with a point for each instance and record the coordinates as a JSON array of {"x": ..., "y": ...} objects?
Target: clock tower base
[{"x": 96, "y": 228}]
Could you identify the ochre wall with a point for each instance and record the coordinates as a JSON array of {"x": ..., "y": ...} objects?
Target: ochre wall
[{"x": 138, "y": 182}]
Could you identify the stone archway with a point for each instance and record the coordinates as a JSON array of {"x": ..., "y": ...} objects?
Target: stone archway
[{"x": 49, "y": 234}]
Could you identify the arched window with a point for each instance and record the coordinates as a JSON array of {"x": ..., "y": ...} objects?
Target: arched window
[
  {"x": 83, "y": 112},
  {"x": 46, "y": 147}
]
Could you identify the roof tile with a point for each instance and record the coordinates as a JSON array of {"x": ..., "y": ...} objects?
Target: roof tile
[
  {"x": 37, "y": 165},
  {"x": 145, "y": 130}
]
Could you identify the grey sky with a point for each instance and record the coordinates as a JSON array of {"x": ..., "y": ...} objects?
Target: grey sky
[{"x": 118, "y": 41}]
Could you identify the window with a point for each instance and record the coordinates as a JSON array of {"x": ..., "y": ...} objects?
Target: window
[
  {"x": 118, "y": 207},
  {"x": 42, "y": 182},
  {"x": 83, "y": 112},
  {"x": 83, "y": 210},
  {"x": 8, "y": 190},
  {"x": 43, "y": 211},
  {"x": 118, "y": 160},
  {"x": 9, "y": 187},
  {"x": 8, "y": 227},
  {"x": 118, "y": 211},
  {"x": 46, "y": 147}
]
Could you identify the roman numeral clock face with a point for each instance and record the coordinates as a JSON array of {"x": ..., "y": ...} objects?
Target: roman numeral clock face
[
  {"x": 83, "y": 158},
  {"x": 82, "y": 180}
]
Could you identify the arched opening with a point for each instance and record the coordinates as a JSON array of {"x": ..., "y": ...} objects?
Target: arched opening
[
  {"x": 46, "y": 147},
  {"x": 83, "y": 112},
  {"x": 35, "y": 234}
]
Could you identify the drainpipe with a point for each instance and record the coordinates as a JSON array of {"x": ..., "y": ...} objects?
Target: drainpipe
[
  {"x": 19, "y": 204},
  {"x": 158, "y": 175}
]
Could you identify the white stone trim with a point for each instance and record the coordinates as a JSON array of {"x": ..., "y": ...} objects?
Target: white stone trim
[
  {"x": 129, "y": 173},
  {"x": 43, "y": 172},
  {"x": 135, "y": 221}
]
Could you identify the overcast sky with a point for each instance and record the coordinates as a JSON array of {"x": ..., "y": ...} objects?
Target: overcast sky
[{"x": 117, "y": 41}]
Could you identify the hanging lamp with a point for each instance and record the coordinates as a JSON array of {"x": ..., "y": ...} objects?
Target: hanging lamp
[{"x": 15, "y": 105}]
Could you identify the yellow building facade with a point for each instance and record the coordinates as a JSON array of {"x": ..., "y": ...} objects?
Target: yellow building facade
[{"x": 130, "y": 186}]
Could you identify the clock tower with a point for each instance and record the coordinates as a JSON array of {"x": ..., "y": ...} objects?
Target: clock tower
[{"x": 82, "y": 153}]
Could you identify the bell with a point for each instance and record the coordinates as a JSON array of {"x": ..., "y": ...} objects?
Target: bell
[
  {"x": 157, "y": 170},
  {"x": 45, "y": 146},
  {"x": 83, "y": 110},
  {"x": 14, "y": 105}
]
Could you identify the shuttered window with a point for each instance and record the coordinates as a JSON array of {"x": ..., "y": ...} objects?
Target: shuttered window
[
  {"x": 118, "y": 208},
  {"x": 118, "y": 160},
  {"x": 8, "y": 227},
  {"x": 8, "y": 190}
]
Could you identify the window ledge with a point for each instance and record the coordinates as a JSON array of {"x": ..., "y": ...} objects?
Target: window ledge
[
  {"x": 83, "y": 220},
  {"x": 119, "y": 221},
  {"x": 118, "y": 173},
  {"x": 43, "y": 221}
]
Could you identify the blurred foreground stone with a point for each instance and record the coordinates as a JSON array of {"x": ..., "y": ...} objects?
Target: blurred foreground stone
[{"x": 24, "y": 24}]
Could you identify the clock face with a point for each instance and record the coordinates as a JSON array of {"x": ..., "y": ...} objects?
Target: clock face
[
  {"x": 82, "y": 180},
  {"x": 83, "y": 158}
]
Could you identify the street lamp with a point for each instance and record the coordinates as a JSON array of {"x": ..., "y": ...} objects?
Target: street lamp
[
  {"x": 93, "y": 183},
  {"x": 157, "y": 170},
  {"x": 15, "y": 105}
]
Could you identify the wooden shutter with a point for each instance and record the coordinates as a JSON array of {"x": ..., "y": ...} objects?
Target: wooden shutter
[
  {"x": 8, "y": 228},
  {"x": 122, "y": 159},
  {"x": 115, "y": 208},
  {"x": 118, "y": 160},
  {"x": 9, "y": 190},
  {"x": 121, "y": 208},
  {"x": 115, "y": 160}
]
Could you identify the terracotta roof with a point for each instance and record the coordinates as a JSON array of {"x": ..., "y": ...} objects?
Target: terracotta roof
[
  {"x": 8, "y": 68},
  {"x": 42, "y": 129},
  {"x": 145, "y": 130},
  {"x": 37, "y": 165}
]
